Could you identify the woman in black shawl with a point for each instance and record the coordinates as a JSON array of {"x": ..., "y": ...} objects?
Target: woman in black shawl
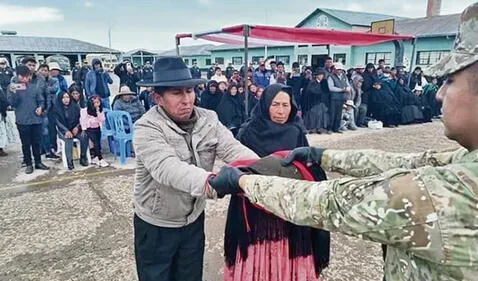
[
  {"x": 385, "y": 106},
  {"x": 314, "y": 103},
  {"x": 274, "y": 126},
  {"x": 211, "y": 98},
  {"x": 411, "y": 112},
  {"x": 253, "y": 98},
  {"x": 231, "y": 109}
]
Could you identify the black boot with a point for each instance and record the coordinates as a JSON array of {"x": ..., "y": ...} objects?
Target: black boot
[
  {"x": 70, "y": 164},
  {"x": 41, "y": 166},
  {"x": 83, "y": 161},
  {"x": 29, "y": 169}
]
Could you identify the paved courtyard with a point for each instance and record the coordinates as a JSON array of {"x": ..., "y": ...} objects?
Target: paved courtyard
[{"x": 78, "y": 226}]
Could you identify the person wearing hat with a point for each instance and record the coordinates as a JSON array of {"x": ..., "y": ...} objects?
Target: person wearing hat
[
  {"x": 340, "y": 90},
  {"x": 55, "y": 73},
  {"x": 422, "y": 205},
  {"x": 127, "y": 100},
  {"x": 176, "y": 145},
  {"x": 348, "y": 120}
]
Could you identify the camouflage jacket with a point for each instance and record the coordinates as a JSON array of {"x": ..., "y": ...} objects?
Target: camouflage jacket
[{"x": 425, "y": 206}]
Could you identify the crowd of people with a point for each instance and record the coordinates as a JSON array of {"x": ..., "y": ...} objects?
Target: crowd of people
[
  {"x": 329, "y": 99},
  {"x": 46, "y": 108}
]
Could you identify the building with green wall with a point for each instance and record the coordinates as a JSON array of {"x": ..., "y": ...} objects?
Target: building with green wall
[{"x": 434, "y": 35}]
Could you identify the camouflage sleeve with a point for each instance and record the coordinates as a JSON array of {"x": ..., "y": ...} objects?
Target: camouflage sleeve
[
  {"x": 393, "y": 208},
  {"x": 368, "y": 162}
]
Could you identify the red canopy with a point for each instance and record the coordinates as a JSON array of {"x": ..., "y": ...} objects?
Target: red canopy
[{"x": 260, "y": 35}]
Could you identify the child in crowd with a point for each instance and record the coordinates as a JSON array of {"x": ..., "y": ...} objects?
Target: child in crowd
[
  {"x": 348, "y": 122},
  {"x": 91, "y": 118}
]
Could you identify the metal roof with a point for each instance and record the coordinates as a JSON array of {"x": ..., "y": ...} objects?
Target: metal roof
[
  {"x": 31, "y": 44},
  {"x": 137, "y": 52},
  {"x": 351, "y": 17},
  {"x": 187, "y": 51},
  {"x": 429, "y": 26}
]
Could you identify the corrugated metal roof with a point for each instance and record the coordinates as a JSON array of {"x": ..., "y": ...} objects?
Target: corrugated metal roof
[
  {"x": 351, "y": 17},
  {"x": 31, "y": 44},
  {"x": 194, "y": 50},
  {"x": 431, "y": 26}
]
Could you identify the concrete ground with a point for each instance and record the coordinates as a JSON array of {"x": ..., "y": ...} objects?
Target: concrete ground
[{"x": 59, "y": 225}]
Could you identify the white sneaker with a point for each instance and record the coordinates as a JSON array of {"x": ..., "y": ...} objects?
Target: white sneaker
[
  {"x": 103, "y": 163},
  {"x": 95, "y": 161}
]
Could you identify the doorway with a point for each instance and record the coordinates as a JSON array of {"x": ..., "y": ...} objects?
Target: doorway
[{"x": 318, "y": 61}]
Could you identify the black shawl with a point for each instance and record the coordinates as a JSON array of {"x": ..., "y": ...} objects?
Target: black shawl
[
  {"x": 211, "y": 100},
  {"x": 264, "y": 136},
  {"x": 66, "y": 117},
  {"x": 231, "y": 110},
  {"x": 315, "y": 93}
]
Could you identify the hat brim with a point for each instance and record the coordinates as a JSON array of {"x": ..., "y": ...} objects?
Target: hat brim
[
  {"x": 129, "y": 93},
  {"x": 178, "y": 83},
  {"x": 451, "y": 63}
]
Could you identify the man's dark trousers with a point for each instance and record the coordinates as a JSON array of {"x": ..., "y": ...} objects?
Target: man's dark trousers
[
  {"x": 169, "y": 254},
  {"x": 335, "y": 113},
  {"x": 30, "y": 135}
]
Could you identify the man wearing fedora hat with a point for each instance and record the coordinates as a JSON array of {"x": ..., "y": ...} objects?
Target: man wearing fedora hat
[
  {"x": 176, "y": 145},
  {"x": 422, "y": 205}
]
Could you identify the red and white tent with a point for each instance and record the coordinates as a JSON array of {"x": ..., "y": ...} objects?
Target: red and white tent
[{"x": 261, "y": 35}]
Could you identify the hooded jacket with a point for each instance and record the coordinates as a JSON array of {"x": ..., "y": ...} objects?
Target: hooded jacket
[
  {"x": 67, "y": 117},
  {"x": 91, "y": 81}
]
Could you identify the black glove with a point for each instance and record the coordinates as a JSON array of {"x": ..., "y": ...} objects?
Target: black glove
[
  {"x": 304, "y": 155},
  {"x": 226, "y": 181}
]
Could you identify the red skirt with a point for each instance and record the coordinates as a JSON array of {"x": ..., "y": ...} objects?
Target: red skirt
[{"x": 269, "y": 261}]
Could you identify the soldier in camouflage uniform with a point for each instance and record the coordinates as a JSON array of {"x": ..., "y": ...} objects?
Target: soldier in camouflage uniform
[{"x": 424, "y": 206}]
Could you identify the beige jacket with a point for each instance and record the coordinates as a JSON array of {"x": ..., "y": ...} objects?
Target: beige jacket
[{"x": 169, "y": 191}]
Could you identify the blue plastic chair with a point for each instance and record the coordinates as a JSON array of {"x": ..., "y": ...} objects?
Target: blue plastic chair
[
  {"x": 123, "y": 126},
  {"x": 107, "y": 129}
]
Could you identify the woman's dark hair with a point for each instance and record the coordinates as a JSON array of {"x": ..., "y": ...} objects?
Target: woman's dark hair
[
  {"x": 60, "y": 97},
  {"x": 90, "y": 107},
  {"x": 232, "y": 86}
]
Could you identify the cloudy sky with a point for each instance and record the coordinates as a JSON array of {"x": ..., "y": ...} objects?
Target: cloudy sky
[{"x": 153, "y": 24}]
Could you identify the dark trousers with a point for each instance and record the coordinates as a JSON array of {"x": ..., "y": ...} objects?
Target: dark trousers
[
  {"x": 69, "y": 146},
  {"x": 336, "y": 108},
  {"x": 362, "y": 113},
  {"x": 94, "y": 134},
  {"x": 52, "y": 130},
  {"x": 169, "y": 254},
  {"x": 30, "y": 135}
]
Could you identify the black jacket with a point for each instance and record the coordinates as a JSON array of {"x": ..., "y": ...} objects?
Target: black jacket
[
  {"x": 229, "y": 72},
  {"x": 126, "y": 78},
  {"x": 67, "y": 117},
  {"x": 6, "y": 75},
  {"x": 147, "y": 74},
  {"x": 195, "y": 72},
  {"x": 76, "y": 74}
]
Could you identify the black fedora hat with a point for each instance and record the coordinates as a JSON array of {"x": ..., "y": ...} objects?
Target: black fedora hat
[{"x": 171, "y": 72}]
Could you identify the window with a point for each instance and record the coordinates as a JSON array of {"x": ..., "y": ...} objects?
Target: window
[
  {"x": 303, "y": 59},
  {"x": 193, "y": 61},
  {"x": 219, "y": 60},
  {"x": 375, "y": 57},
  {"x": 257, "y": 59},
  {"x": 340, "y": 58},
  {"x": 429, "y": 57},
  {"x": 208, "y": 62},
  {"x": 284, "y": 59},
  {"x": 186, "y": 61},
  {"x": 236, "y": 60}
]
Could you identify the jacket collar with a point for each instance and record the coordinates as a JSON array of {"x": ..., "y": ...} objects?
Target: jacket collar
[{"x": 198, "y": 126}]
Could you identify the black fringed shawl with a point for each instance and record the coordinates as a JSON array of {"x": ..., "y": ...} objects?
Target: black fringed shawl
[{"x": 247, "y": 224}]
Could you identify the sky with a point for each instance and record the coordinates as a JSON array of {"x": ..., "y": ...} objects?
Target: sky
[{"x": 153, "y": 24}]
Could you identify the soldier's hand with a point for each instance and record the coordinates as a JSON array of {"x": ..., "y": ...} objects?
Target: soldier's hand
[
  {"x": 305, "y": 155},
  {"x": 226, "y": 181}
]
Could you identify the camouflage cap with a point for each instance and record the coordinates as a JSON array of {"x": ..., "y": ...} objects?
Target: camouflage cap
[{"x": 465, "y": 51}]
